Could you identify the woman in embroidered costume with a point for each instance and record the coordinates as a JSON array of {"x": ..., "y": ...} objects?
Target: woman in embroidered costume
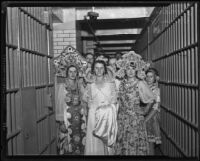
[
  {"x": 70, "y": 113},
  {"x": 132, "y": 134},
  {"x": 152, "y": 117},
  {"x": 100, "y": 95}
]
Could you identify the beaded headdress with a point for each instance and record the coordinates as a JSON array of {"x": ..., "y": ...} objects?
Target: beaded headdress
[
  {"x": 69, "y": 56},
  {"x": 134, "y": 60}
]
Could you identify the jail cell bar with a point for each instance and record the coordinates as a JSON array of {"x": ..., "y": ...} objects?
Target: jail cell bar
[
  {"x": 28, "y": 57},
  {"x": 172, "y": 47}
]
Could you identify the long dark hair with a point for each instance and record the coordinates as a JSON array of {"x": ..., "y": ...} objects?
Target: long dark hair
[{"x": 100, "y": 62}]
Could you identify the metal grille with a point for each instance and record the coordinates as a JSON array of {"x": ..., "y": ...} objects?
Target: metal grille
[
  {"x": 28, "y": 64},
  {"x": 172, "y": 46}
]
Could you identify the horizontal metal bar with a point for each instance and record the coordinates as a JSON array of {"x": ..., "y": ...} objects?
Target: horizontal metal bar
[
  {"x": 14, "y": 90},
  {"x": 180, "y": 118},
  {"x": 54, "y": 138},
  {"x": 28, "y": 50},
  {"x": 171, "y": 23},
  {"x": 176, "y": 52},
  {"x": 173, "y": 142},
  {"x": 33, "y": 17},
  {"x": 146, "y": 47},
  {"x": 33, "y": 52},
  {"x": 51, "y": 113},
  {"x": 11, "y": 46},
  {"x": 36, "y": 53},
  {"x": 42, "y": 118},
  {"x": 47, "y": 145},
  {"x": 49, "y": 56},
  {"x": 43, "y": 86},
  {"x": 50, "y": 85},
  {"x": 36, "y": 19},
  {"x": 12, "y": 135},
  {"x": 179, "y": 84},
  {"x": 44, "y": 149}
]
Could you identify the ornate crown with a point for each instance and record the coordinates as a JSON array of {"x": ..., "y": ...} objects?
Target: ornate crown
[
  {"x": 131, "y": 59},
  {"x": 69, "y": 56}
]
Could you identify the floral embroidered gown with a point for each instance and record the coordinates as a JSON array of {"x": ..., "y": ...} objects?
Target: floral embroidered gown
[
  {"x": 71, "y": 141},
  {"x": 132, "y": 134},
  {"x": 153, "y": 127}
]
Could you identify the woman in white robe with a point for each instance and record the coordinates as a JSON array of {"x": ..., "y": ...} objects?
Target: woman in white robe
[{"x": 101, "y": 97}]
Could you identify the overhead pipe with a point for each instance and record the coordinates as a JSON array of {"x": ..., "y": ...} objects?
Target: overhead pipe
[{"x": 93, "y": 17}]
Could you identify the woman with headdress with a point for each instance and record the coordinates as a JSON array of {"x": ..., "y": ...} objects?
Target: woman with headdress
[
  {"x": 70, "y": 112},
  {"x": 101, "y": 96},
  {"x": 132, "y": 134},
  {"x": 152, "y": 117}
]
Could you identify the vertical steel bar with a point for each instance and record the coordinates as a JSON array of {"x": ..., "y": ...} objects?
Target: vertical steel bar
[
  {"x": 37, "y": 71},
  {"x": 25, "y": 30},
  {"x": 193, "y": 105},
  {"x": 188, "y": 26},
  {"x": 29, "y": 33},
  {"x": 185, "y": 29},
  {"x": 13, "y": 120},
  {"x": 7, "y": 68},
  {"x": 31, "y": 67},
  {"x": 196, "y": 64},
  {"x": 11, "y": 73},
  {"x": 16, "y": 72},
  {"x": 186, "y": 65},
  {"x": 34, "y": 70},
  {"x": 182, "y": 32},
  {"x": 179, "y": 33},
  {"x": 27, "y": 69},
  {"x": 196, "y": 108},
  {"x": 8, "y": 122},
  {"x": 34, "y": 33},
  {"x": 192, "y": 25}
]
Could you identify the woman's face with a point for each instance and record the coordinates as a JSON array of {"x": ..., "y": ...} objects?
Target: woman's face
[
  {"x": 99, "y": 69},
  {"x": 150, "y": 78},
  {"x": 72, "y": 73},
  {"x": 89, "y": 58},
  {"x": 112, "y": 62},
  {"x": 130, "y": 72}
]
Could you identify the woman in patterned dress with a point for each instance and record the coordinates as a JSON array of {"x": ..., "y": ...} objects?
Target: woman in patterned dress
[
  {"x": 72, "y": 128},
  {"x": 69, "y": 108},
  {"x": 132, "y": 134},
  {"x": 152, "y": 118}
]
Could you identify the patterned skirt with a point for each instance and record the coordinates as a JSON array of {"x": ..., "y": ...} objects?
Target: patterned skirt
[
  {"x": 132, "y": 135},
  {"x": 153, "y": 129}
]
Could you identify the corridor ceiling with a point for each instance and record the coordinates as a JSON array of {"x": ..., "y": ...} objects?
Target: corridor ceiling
[{"x": 116, "y": 28}]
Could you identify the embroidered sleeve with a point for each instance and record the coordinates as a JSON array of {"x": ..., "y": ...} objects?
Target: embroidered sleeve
[
  {"x": 113, "y": 93},
  {"x": 121, "y": 94},
  {"x": 60, "y": 101},
  {"x": 157, "y": 95},
  {"x": 87, "y": 94},
  {"x": 146, "y": 95}
]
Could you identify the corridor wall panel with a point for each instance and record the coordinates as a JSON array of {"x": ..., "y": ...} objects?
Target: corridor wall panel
[{"x": 173, "y": 50}]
